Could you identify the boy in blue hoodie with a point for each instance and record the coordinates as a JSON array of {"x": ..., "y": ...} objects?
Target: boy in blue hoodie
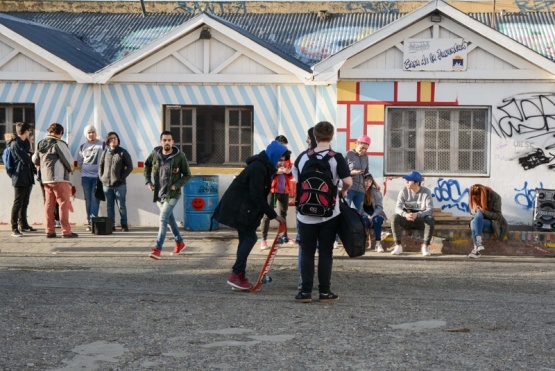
[{"x": 245, "y": 202}]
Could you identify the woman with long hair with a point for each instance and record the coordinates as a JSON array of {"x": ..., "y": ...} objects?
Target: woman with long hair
[
  {"x": 372, "y": 209},
  {"x": 485, "y": 205},
  {"x": 114, "y": 168}
]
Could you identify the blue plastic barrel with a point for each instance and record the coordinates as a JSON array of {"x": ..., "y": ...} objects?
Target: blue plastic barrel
[{"x": 201, "y": 198}]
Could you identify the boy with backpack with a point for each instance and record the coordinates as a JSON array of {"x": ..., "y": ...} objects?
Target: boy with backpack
[{"x": 318, "y": 172}]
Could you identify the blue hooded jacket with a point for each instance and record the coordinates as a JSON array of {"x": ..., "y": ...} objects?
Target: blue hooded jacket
[
  {"x": 246, "y": 200},
  {"x": 274, "y": 151}
]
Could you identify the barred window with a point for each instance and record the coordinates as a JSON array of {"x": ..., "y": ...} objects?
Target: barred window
[
  {"x": 437, "y": 140},
  {"x": 10, "y": 114},
  {"x": 212, "y": 135}
]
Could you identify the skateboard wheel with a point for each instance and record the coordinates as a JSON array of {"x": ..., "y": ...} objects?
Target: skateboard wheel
[{"x": 269, "y": 279}]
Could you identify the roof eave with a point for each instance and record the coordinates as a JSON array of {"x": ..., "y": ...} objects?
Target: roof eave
[{"x": 78, "y": 75}]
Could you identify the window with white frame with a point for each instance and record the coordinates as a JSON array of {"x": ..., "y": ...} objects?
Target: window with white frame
[
  {"x": 11, "y": 114},
  {"x": 437, "y": 140},
  {"x": 212, "y": 135}
]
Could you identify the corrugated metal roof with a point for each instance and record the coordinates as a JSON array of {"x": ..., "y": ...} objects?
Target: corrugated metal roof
[
  {"x": 533, "y": 30},
  {"x": 307, "y": 38},
  {"x": 303, "y": 37},
  {"x": 112, "y": 35},
  {"x": 60, "y": 43}
]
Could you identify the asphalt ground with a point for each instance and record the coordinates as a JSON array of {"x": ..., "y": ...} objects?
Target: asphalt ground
[{"x": 99, "y": 303}]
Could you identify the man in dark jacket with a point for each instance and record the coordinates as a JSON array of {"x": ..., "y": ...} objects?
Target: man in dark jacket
[
  {"x": 245, "y": 202},
  {"x": 170, "y": 169},
  {"x": 22, "y": 179}
]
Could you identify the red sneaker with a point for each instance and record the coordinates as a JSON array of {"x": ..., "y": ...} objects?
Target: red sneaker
[
  {"x": 239, "y": 281},
  {"x": 155, "y": 254},
  {"x": 179, "y": 246}
]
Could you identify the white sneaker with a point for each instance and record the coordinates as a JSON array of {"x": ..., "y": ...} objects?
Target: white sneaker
[
  {"x": 474, "y": 254},
  {"x": 379, "y": 247},
  {"x": 263, "y": 245},
  {"x": 397, "y": 250},
  {"x": 335, "y": 245},
  {"x": 425, "y": 250},
  {"x": 479, "y": 248}
]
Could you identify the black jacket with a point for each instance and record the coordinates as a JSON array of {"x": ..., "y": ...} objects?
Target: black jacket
[
  {"x": 246, "y": 200},
  {"x": 115, "y": 166},
  {"x": 24, "y": 169}
]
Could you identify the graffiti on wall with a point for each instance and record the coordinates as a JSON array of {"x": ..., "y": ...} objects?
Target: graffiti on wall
[
  {"x": 529, "y": 119},
  {"x": 216, "y": 7},
  {"x": 534, "y": 5},
  {"x": 450, "y": 194},
  {"x": 524, "y": 197},
  {"x": 374, "y": 6}
]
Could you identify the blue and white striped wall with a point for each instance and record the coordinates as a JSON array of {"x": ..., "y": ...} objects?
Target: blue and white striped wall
[{"x": 134, "y": 111}]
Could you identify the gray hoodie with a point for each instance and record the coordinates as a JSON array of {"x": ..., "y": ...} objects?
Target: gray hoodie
[
  {"x": 55, "y": 160},
  {"x": 420, "y": 202}
]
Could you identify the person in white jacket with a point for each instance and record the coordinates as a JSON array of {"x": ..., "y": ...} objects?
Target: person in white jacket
[
  {"x": 414, "y": 210},
  {"x": 88, "y": 159},
  {"x": 56, "y": 163}
]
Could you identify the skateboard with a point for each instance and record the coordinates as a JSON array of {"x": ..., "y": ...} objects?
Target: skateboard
[{"x": 263, "y": 276}]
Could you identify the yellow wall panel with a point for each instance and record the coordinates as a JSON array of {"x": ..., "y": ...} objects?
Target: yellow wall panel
[
  {"x": 375, "y": 113},
  {"x": 346, "y": 91},
  {"x": 425, "y": 91}
]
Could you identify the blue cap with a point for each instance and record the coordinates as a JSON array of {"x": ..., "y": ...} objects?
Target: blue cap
[{"x": 415, "y": 176}]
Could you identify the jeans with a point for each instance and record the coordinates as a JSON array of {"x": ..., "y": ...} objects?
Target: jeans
[
  {"x": 478, "y": 225},
  {"x": 321, "y": 236},
  {"x": 247, "y": 240},
  {"x": 282, "y": 202},
  {"x": 92, "y": 203},
  {"x": 376, "y": 222},
  {"x": 355, "y": 198},
  {"x": 20, "y": 205},
  {"x": 166, "y": 217},
  {"x": 116, "y": 195},
  {"x": 422, "y": 223}
]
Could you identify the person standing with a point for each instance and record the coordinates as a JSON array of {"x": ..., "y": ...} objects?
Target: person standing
[
  {"x": 279, "y": 194},
  {"x": 88, "y": 159},
  {"x": 319, "y": 232},
  {"x": 485, "y": 205},
  {"x": 170, "y": 170},
  {"x": 22, "y": 179},
  {"x": 372, "y": 210},
  {"x": 414, "y": 210},
  {"x": 56, "y": 163},
  {"x": 358, "y": 164},
  {"x": 244, "y": 203},
  {"x": 114, "y": 168}
]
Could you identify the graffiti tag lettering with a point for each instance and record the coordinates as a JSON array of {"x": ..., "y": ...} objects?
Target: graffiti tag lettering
[
  {"x": 534, "y": 5},
  {"x": 533, "y": 117},
  {"x": 534, "y": 159},
  {"x": 374, "y": 6},
  {"x": 524, "y": 197},
  {"x": 449, "y": 192},
  {"x": 216, "y": 7}
]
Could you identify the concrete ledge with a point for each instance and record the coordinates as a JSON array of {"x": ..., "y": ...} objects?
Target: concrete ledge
[{"x": 453, "y": 241}]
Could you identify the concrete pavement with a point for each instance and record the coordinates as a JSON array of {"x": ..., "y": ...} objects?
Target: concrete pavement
[{"x": 221, "y": 243}]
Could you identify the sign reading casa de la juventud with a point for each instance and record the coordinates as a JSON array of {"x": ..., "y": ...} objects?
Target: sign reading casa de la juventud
[{"x": 435, "y": 55}]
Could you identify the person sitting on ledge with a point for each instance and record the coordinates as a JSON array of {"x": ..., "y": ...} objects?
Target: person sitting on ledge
[
  {"x": 414, "y": 210},
  {"x": 485, "y": 205}
]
